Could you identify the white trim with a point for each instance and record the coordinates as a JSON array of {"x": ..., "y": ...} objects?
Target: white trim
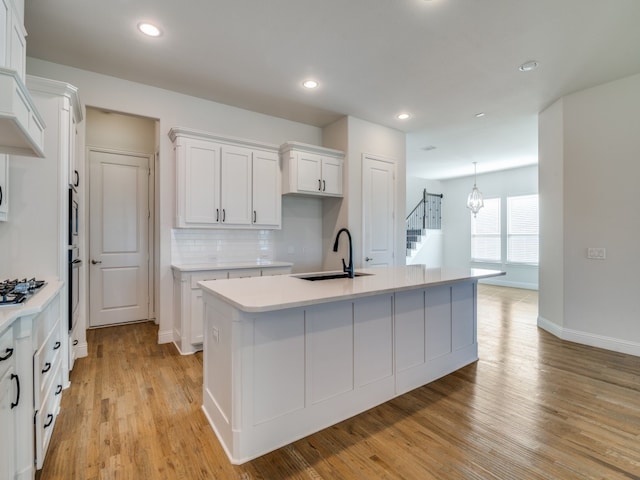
[
  {"x": 591, "y": 339},
  {"x": 81, "y": 350},
  {"x": 165, "y": 336},
  {"x": 506, "y": 283}
]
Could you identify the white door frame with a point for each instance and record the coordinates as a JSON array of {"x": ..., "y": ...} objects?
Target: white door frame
[
  {"x": 394, "y": 163},
  {"x": 153, "y": 159}
]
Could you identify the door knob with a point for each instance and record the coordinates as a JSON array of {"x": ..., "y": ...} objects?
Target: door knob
[
  {"x": 95, "y": 262},
  {"x": 367, "y": 259}
]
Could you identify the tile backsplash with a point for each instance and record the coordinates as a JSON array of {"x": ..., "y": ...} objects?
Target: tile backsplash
[
  {"x": 193, "y": 246},
  {"x": 299, "y": 241}
]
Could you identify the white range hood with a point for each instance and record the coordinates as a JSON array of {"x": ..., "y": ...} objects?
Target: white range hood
[{"x": 21, "y": 126}]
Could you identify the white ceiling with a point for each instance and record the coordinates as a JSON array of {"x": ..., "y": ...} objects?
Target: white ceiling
[{"x": 441, "y": 60}]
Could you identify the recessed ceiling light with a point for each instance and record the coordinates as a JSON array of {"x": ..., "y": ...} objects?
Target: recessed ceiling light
[
  {"x": 149, "y": 29},
  {"x": 528, "y": 66},
  {"x": 480, "y": 114},
  {"x": 310, "y": 84},
  {"x": 403, "y": 116}
]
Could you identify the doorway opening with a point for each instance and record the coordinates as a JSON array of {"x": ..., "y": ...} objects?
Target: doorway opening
[{"x": 121, "y": 161}]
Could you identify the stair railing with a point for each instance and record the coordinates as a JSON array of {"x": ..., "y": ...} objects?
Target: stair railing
[{"x": 426, "y": 214}]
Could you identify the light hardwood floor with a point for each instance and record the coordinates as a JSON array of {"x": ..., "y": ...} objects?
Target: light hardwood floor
[{"x": 532, "y": 407}]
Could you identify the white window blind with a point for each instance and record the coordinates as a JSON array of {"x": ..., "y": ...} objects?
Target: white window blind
[
  {"x": 522, "y": 229},
  {"x": 485, "y": 232}
]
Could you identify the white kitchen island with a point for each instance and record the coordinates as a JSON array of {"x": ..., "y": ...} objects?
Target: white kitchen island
[{"x": 285, "y": 357}]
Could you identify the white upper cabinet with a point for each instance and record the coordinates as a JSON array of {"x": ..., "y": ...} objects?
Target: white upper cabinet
[
  {"x": 267, "y": 207},
  {"x": 311, "y": 170},
  {"x": 21, "y": 126},
  {"x": 225, "y": 183}
]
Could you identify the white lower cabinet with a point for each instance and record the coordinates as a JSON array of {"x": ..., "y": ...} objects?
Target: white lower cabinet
[
  {"x": 9, "y": 399},
  {"x": 188, "y": 303},
  {"x": 31, "y": 383}
]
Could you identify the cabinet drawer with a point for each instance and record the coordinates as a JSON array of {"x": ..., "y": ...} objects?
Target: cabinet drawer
[
  {"x": 44, "y": 322},
  {"x": 245, "y": 272},
  {"x": 6, "y": 350},
  {"x": 45, "y": 363},
  {"x": 204, "y": 276},
  {"x": 276, "y": 271},
  {"x": 46, "y": 416}
]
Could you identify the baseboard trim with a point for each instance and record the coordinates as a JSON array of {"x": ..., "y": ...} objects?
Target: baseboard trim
[
  {"x": 165, "y": 336},
  {"x": 81, "y": 350},
  {"x": 506, "y": 283},
  {"x": 591, "y": 339}
]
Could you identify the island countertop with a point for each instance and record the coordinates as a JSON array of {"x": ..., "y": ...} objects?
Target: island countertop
[{"x": 264, "y": 294}]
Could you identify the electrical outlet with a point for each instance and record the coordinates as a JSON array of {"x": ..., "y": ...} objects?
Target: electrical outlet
[{"x": 596, "y": 253}]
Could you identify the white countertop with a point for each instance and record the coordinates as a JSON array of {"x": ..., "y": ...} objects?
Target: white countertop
[
  {"x": 264, "y": 294},
  {"x": 201, "y": 267},
  {"x": 33, "y": 305}
]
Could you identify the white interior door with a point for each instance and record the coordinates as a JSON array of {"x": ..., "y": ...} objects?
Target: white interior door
[
  {"x": 378, "y": 207},
  {"x": 118, "y": 236}
]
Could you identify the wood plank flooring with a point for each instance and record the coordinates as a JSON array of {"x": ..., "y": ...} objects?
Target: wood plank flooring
[{"x": 532, "y": 407}]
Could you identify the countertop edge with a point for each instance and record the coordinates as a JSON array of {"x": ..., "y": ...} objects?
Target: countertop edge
[
  {"x": 34, "y": 305},
  {"x": 345, "y": 297},
  {"x": 203, "y": 267}
]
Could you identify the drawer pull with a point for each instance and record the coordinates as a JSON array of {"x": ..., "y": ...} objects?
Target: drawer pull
[
  {"x": 17, "y": 379},
  {"x": 75, "y": 342},
  {"x": 57, "y": 345},
  {"x": 49, "y": 420},
  {"x": 47, "y": 367},
  {"x": 59, "y": 389},
  {"x": 8, "y": 355}
]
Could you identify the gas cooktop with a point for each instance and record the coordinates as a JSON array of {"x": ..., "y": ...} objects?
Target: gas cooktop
[{"x": 16, "y": 292}]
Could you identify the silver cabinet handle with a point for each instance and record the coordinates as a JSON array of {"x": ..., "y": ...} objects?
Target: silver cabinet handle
[{"x": 95, "y": 262}]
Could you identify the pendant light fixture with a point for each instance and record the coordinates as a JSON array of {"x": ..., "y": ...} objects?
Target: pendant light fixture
[{"x": 474, "y": 200}]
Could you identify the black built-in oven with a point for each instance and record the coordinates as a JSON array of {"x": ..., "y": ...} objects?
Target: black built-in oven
[{"x": 73, "y": 277}]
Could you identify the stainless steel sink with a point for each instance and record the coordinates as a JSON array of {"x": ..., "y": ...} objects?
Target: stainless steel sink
[{"x": 329, "y": 275}]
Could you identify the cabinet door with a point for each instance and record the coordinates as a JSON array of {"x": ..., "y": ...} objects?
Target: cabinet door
[
  {"x": 266, "y": 197},
  {"x": 309, "y": 172},
  {"x": 197, "y": 319},
  {"x": 4, "y": 187},
  {"x": 7, "y": 420},
  {"x": 235, "y": 186},
  {"x": 5, "y": 26},
  {"x": 332, "y": 176},
  {"x": 199, "y": 185},
  {"x": 18, "y": 45}
]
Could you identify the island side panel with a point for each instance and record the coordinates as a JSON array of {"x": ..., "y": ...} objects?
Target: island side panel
[
  {"x": 435, "y": 333},
  {"x": 274, "y": 377},
  {"x": 218, "y": 369}
]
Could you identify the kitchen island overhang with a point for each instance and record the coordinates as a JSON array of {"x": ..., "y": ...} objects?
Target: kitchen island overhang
[{"x": 286, "y": 357}]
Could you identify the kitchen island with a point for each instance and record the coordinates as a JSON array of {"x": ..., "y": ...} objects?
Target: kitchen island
[{"x": 285, "y": 357}]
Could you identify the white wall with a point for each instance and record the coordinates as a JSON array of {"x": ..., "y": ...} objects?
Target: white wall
[
  {"x": 415, "y": 186},
  {"x": 456, "y": 222},
  {"x": 357, "y": 137},
  {"x": 172, "y": 109},
  {"x": 600, "y": 142}
]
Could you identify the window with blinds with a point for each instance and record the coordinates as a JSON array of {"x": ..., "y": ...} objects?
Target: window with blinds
[
  {"x": 486, "y": 241},
  {"x": 522, "y": 229}
]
